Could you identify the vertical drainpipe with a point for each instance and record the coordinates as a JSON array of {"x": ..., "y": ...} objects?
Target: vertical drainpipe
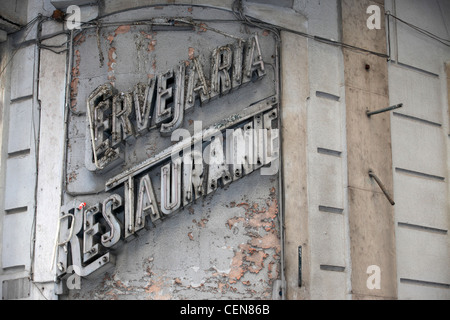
[{"x": 36, "y": 105}]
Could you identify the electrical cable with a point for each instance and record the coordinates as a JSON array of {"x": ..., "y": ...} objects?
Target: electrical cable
[
  {"x": 32, "y": 22},
  {"x": 238, "y": 12},
  {"x": 445, "y": 42}
]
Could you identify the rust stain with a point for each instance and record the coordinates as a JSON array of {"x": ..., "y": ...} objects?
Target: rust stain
[
  {"x": 73, "y": 91},
  {"x": 111, "y": 58},
  {"x": 265, "y": 33},
  {"x": 259, "y": 223},
  {"x": 247, "y": 259},
  {"x": 237, "y": 265},
  {"x": 273, "y": 271},
  {"x": 191, "y": 236},
  {"x": 75, "y": 80},
  {"x": 191, "y": 52},
  {"x": 270, "y": 240},
  {"x": 255, "y": 217},
  {"x": 256, "y": 258},
  {"x": 122, "y": 29},
  {"x": 222, "y": 286},
  {"x": 202, "y": 28},
  {"x": 111, "y": 64},
  {"x": 231, "y": 222},
  {"x": 79, "y": 39},
  {"x": 72, "y": 176},
  {"x": 152, "y": 43},
  {"x": 155, "y": 288},
  {"x": 146, "y": 35},
  {"x": 201, "y": 223},
  {"x": 151, "y": 46},
  {"x": 112, "y": 78},
  {"x": 110, "y": 38}
]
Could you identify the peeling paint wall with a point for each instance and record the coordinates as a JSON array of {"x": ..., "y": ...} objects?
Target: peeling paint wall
[{"x": 226, "y": 246}]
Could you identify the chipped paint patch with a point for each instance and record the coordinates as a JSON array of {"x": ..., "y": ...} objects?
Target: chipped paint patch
[
  {"x": 75, "y": 79},
  {"x": 270, "y": 240},
  {"x": 110, "y": 38},
  {"x": 259, "y": 223},
  {"x": 202, "y": 28},
  {"x": 111, "y": 58},
  {"x": 122, "y": 29},
  {"x": 237, "y": 265},
  {"x": 151, "y": 46},
  {"x": 79, "y": 39},
  {"x": 72, "y": 176},
  {"x": 201, "y": 223},
  {"x": 112, "y": 64},
  {"x": 191, "y": 52}
]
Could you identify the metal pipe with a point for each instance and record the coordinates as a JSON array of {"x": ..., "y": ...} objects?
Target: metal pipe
[
  {"x": 382, "y": 187},
  {"x": 369, "y": 114}
]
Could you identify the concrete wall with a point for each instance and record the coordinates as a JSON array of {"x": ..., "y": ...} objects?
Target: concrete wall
[
  {"x": 331, "y": 208},
  {"x": 420, "y": 144},
  {"x": 25, "y": 147},
  {"x": 369, "y": 148},
  {"x": 20, "y": 128},
  {"x": 326, "y": 152},
  {"x": 13, "y": 15}
]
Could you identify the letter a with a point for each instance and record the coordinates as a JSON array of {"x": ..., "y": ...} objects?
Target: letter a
[
  {"x": 374, "y": 21},
  {"x": 74, "y": 20},
  {"x": 74, "y": 280},
  {"x": 374, "y": 280}
]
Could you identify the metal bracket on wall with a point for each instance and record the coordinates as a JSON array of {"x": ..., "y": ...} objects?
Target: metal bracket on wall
[
  {"x": 382, "y": 187},
  {"x": 371, "y": 113}
]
